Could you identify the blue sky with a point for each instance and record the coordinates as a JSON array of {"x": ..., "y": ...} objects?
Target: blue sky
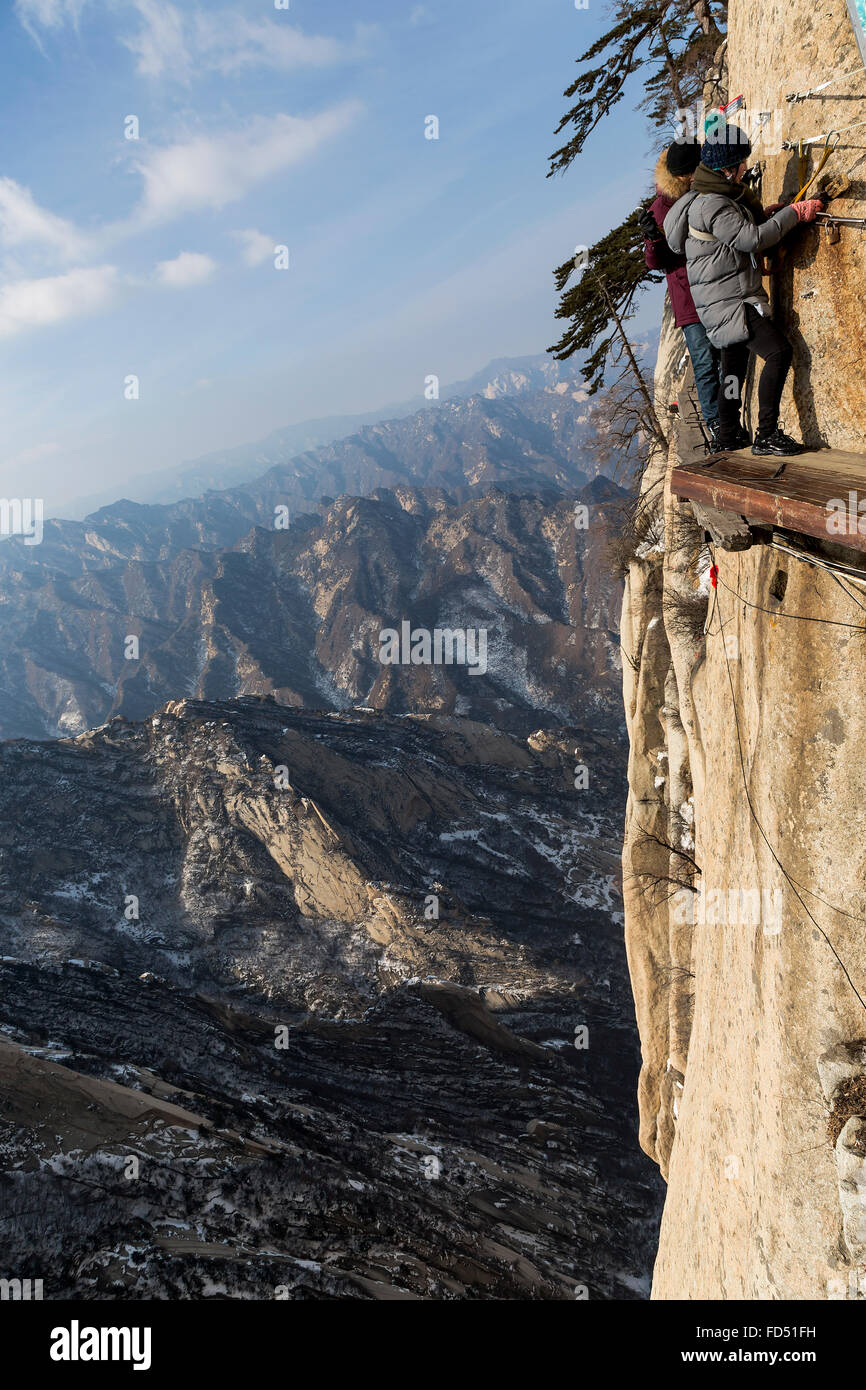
[{"x": 260, "y": 127}]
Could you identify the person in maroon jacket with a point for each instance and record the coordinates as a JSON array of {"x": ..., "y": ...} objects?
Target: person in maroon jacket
[{"x": 673, "y": 177}]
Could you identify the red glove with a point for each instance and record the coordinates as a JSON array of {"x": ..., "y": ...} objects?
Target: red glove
[
  {"x": 808, "y": 211},
  {"x": 774, "y": 207}
]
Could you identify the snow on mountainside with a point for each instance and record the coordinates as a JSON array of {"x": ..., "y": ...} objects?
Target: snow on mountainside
[{"x": 330, "y": 1088}]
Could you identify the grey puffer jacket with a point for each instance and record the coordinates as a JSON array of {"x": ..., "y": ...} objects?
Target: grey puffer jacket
[{"x": 725, "y": 270}]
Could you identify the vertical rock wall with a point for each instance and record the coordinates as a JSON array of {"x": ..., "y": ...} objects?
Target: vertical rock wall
[{"x": 752, "y": 1090}]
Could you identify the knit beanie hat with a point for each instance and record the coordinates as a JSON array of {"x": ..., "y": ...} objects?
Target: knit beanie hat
[
  {"x": 725, "y": 145},
  {"x": 683, "y": 157}
]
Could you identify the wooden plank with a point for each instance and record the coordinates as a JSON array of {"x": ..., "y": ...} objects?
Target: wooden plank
[
  {"x": 726, "y": 529},
  {"x": 744, "y": 484}
]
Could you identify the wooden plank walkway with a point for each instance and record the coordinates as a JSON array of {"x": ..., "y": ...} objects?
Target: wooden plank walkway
[{"x": 741, "y": 483}]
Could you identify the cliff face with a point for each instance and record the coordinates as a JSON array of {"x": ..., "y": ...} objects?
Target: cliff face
[{"x": 752, "y": 1089}]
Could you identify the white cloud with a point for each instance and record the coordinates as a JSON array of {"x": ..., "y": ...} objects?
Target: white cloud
[
  {"x": 36, "y": 303},
  {"x": 159, "y": 45},
  {"x": 48, "y": 14},
  {"x": 210, "y": 171},
  {"x": 189, "y": 268},
  {"x": 228, "y": 42},
  {"x": 24, "y": 223},
  {"x": 206, "y": 172},
  {"x": 170, "y": 42},
  {"x": 256, "y": 247}
]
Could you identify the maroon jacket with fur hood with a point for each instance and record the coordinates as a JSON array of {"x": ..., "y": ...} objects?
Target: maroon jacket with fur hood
[{"x": 659, "y": 256}]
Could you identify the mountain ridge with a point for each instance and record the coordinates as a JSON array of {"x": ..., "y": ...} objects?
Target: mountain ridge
[
  {"x": 322, "y": 591},
  {"x": 222, "y": 469}
]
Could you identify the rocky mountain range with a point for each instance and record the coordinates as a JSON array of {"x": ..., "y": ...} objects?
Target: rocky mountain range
[
  {"x": 530, "y": 441},
  {"x": 313, "y": 981},
  {"x": 299, "y": 612},
  {"x": 312, "y": 1006},
  {"x": 462, "y": 519},
  {"x": 512, "y": 377}
]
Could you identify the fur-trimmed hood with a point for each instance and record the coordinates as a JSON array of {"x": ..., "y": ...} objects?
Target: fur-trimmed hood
[{"x": 669, "y": 184}]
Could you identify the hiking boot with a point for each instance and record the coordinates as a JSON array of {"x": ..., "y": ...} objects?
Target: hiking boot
[
  {"x": 728, "y": 439},
  {"x": 777, "y": 443},
  {"x": 714, "y": 443}
]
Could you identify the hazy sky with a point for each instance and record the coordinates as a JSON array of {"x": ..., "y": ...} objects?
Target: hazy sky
[{"x": 261, "y": 127}]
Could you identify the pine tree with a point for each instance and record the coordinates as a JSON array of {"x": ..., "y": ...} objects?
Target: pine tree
[
  {"x": 599, "y": 305},
  {"x": 672, "y": 40}
]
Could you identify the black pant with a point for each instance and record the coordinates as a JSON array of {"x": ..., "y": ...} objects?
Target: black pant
[{"x": 764, "y": 341}]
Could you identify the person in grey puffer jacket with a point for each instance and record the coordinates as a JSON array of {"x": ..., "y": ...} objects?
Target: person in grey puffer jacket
[{"x": 722, "y": 230}]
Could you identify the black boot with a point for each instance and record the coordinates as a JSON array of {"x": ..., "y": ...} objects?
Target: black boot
[
  {"x": 731, "y": 439},
  {"x": 777, "y": 443},
  {"x": 714, "y": 443}
]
